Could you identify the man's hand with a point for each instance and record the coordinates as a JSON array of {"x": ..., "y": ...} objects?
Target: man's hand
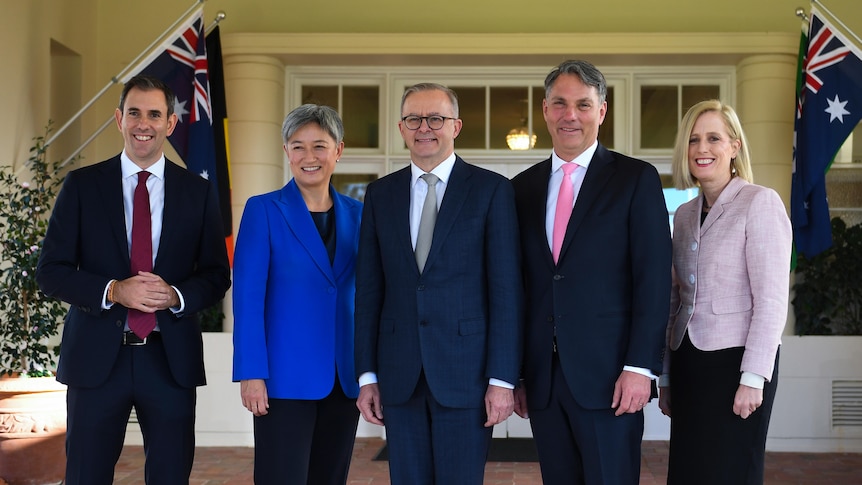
[
  {"x": 521, "y": 402},
  {"x": 499, "y": 403},
  {"x": 146, "y": 292},
  {"x": 369, "y": 405},
  {"x": 254, "y": 396},
  {"x": 631, "y": 393},
  {"x": 746, "y": 401}
]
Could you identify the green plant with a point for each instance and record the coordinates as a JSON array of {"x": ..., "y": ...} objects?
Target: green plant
[
  {"x": 212, "y": 318},
  {"x": 28, "y": 318},
  {"x": 828, "y": 286}
]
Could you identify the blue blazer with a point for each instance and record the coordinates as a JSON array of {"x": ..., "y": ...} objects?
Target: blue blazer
[
  {"x": 293, "y": 310},
  {"x": 460, "y": 320}
]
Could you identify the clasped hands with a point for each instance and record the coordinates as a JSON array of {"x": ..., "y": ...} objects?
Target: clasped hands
[{"x": 146, "y": 292}]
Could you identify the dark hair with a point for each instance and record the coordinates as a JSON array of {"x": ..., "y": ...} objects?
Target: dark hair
[
  {"x": 587, "y": 72},
  {"x": 326, "y": 117},
  {"x": 453, "y": 98},
  {"x": 147, "y": 83}
]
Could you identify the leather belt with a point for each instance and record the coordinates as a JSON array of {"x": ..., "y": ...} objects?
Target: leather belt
[{"x": 129, "y": 338}]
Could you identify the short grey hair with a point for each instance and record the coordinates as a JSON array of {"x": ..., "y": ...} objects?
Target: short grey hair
[
  {"x": 453, "y": 98},
  {"x": 324, "y": 116},
  {"x": 587, "y": 73}
]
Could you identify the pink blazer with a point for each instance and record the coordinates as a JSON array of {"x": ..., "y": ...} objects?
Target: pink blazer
[{"x": 731, "y": 276}]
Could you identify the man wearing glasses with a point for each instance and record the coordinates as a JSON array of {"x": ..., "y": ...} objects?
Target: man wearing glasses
[{"x": 438, "y": 301}]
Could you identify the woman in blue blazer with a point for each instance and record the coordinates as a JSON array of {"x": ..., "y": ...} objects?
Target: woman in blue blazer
[{"x": 294, "y": 286}]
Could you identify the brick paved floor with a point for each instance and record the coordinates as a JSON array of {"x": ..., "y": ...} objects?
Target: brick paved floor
[{"x": 233, "y": 466}]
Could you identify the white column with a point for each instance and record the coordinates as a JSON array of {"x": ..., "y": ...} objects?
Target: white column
[{"x": 254, "y": 87}]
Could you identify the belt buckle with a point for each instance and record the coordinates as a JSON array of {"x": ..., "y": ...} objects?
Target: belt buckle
[{"x": 134, "y": 344}]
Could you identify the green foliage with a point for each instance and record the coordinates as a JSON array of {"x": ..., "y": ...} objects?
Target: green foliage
[
  {"x": 829, "y": 286},
  {"x": 28, "y": 318},
  {"x": 212, "y": 318}
]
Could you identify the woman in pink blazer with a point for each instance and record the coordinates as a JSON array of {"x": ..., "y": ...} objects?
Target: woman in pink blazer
[{"x": 731, "y": 259}]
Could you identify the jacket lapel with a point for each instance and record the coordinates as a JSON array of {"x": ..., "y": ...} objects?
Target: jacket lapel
[
  {"x": 535, "y": 205},
  {"x": 393, "y": 200},
  {"x": 457, "y": 191},
  {"x": 292, "y": 206},
  {"x": 345, "y": 234},
  {"x": 600, "y": 171},
  {"x": 111, "y": 189},
  {"x": 727, "y": 195}
]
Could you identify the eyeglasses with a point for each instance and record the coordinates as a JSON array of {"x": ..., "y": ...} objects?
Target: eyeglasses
[{"x": 434, "y": 122}]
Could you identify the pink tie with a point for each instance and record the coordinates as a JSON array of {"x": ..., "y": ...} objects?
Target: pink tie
[
  {"x": 564, "y": 208},
  {"x": 142, "y": 251}
]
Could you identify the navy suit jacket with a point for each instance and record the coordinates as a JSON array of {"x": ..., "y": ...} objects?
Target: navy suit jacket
[
  {"x": 86, "y": 247},
  {"x": 460, "y": 320},
  {"x": 607, "y": 296},
  {"x": 293, "y": 309}
]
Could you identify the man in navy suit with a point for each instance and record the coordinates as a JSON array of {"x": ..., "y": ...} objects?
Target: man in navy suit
[
  {"x": 87, "y": 261},
  {"x": 597, "y": 290},
  {"x": 438, "y": 344}
]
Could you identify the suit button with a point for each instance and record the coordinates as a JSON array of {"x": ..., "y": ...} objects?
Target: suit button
[
  {"x": 420, "y": 287},
  {"x": 330, "y": 290},
  {"x": 694, "y": 246},
  {"x": 558, "y": 277},
  {"x": 691, "y": 278},
  {"x": 118, "y": 323},
  {"x": 690, "y": 309},
  {"x": 85, "y": 309},
  {"x": 551, "y": 318},
  {"x": 423, "y": 323}
]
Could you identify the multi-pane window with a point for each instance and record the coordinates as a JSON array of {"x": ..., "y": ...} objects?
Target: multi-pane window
[
  {"x": 359, "y": 107},
  {"x": 645, "y": 106}
]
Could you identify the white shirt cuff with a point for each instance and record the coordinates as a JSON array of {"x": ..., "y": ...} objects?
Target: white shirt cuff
[
  {"x": 751, "y": 379},
  {"x": 368, "y": 378},
  {"x": 182, "y": 306},
  {"x": 499, "y": 383},
  {"x": 640, "y": 370}
]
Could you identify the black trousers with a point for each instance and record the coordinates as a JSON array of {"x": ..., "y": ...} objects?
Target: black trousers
[
  {"x": 97, "y": 419},
  {"x": 580, "y": 446},
  {"x": 708, "y": 443},
  {"x": 303, "y": 442}
]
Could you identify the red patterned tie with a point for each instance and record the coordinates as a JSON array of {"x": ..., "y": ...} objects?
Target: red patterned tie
[{"x": 142, "y": 251}]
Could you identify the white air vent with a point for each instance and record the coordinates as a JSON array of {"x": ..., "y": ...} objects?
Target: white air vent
[{"x": 847, "y": 403}]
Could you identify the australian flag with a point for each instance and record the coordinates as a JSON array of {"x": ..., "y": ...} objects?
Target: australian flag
[
  {"x": 181, "y": 63},
  {"x": 828, "y": 107}
]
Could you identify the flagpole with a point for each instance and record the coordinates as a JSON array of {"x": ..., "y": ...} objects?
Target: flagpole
[
  {"x": 219, "y": 17},
  {"x": 116, "y": 79},
  {"x": 839, "y": 22}
]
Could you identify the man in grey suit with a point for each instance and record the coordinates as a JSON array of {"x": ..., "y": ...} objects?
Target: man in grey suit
[{"x": 438, "y": 311}]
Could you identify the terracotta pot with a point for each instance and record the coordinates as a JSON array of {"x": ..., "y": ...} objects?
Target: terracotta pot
[{"x": 32, "y": 431}]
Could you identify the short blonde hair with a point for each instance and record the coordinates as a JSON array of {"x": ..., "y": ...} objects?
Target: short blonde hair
[{"x": 682, "y": 178}]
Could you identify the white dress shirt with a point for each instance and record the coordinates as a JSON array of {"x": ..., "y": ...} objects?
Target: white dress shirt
[{"x": 156, "y": 190}]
